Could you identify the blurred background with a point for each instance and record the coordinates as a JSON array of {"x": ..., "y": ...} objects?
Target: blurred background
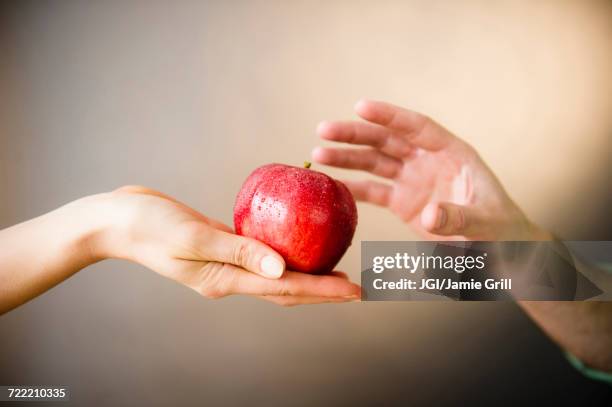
[{"x": 189, "y": 97}]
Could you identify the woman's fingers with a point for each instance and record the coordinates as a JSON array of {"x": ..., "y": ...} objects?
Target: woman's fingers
[
  {"x": 292, "y": 300},
  {"x": 297, "y": 284},
  {"x": 362, "y": 133},
  {"x": 289, "y": 301},
  {"x": 218, "y": 280},
  {"x": 369, "y": 159},
  {"x": 373, "y": 192},
  {"x": 449, "y": 219},
  {"x": 418, "y": 129}
]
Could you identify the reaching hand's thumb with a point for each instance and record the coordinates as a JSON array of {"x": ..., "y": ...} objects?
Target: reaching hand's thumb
[{"x": 448, "y": 219}]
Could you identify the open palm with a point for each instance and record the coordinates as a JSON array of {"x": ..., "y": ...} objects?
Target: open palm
[{"x": 432, "y": 173}]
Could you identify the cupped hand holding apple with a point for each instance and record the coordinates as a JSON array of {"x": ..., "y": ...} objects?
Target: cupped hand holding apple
[
  {"x": 436, "y": 181},
  {"x": 205, "y": 255},
  {"x": 150, "y": 228}
]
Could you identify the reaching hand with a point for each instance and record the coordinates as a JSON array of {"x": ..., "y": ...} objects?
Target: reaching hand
[{"x": 439, "y": 184}]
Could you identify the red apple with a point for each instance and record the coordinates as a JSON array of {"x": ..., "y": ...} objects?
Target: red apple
[{"x": 306, "y": 216}]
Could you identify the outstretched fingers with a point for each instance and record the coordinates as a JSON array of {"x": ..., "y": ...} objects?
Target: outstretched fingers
[
  {"x": 367, "y": 159},
  {"x": 289, "y": 301},
  {"x": 417, "y": 129},
  {"x": 369, "y": 191},
  {"x": 368, "y": 134},
  {"x": 218, "y": 280}
]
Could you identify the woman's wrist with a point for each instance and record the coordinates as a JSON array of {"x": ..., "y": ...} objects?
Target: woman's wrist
[
  {"x": 93, "y": 227},
  {"x": 107, "y": 223}
]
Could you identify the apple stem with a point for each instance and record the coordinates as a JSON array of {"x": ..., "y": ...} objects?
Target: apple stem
[{"x": 307, "y": 164}]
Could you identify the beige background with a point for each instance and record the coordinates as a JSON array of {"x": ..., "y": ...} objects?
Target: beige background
[{"x": 189, "y": 97}]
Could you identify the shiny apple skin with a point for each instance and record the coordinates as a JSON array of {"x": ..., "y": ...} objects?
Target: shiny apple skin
[{"x": 306, "y": 216}]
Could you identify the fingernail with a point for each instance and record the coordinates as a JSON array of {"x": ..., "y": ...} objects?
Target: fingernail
[
  {"x": 441, "y": 218},
  {"x": 360, "y": 102},
  {"x": 271, "y": 267},
  {"x": 321, "y": 127},
  {"x": 318, "y": 155}
]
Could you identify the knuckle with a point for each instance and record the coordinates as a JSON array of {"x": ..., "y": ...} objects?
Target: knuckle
[
  {"x": 422, "y": 122},
  {"x": 242, "y": 252},
  {"x": 460, "y": 221},
  {"x": 425, "y": 120},
  {"x": 284, "y": 289},
  {"x": 425, "y": 127},
  {"x": 211, "y": 283}
]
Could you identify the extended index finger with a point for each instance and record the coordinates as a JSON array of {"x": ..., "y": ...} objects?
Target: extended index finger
[{"x": 369, "y": 134}]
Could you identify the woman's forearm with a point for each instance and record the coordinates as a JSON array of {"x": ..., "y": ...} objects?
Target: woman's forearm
[{"x": 42, "y": 252}]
